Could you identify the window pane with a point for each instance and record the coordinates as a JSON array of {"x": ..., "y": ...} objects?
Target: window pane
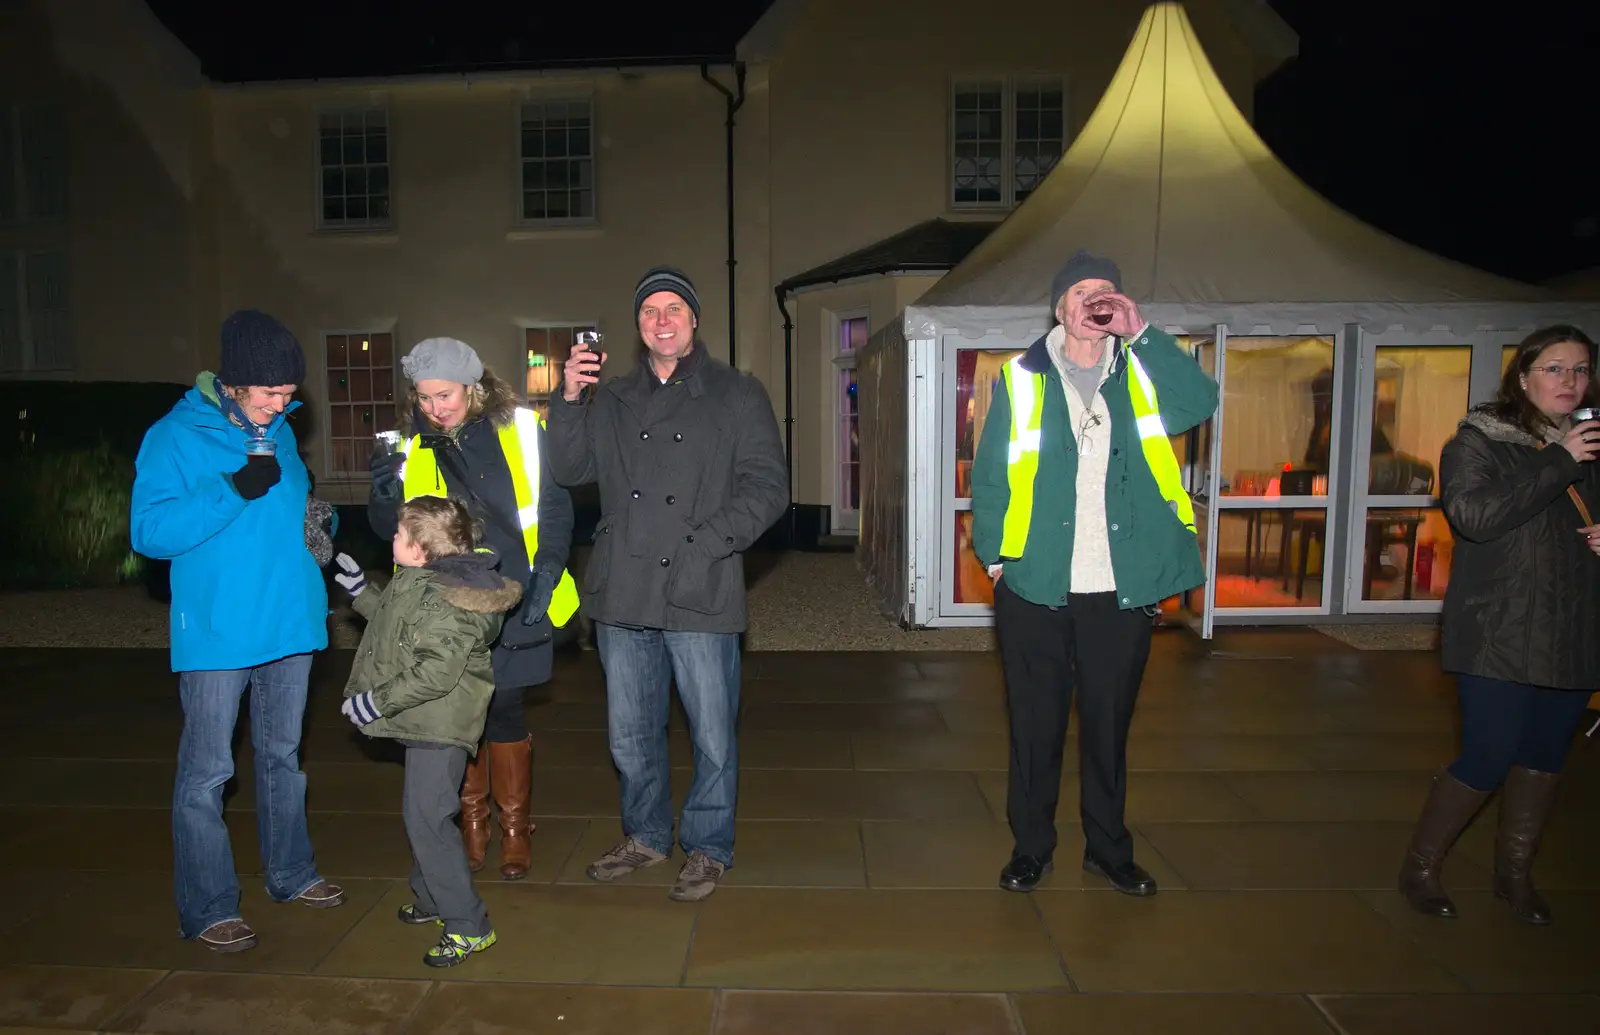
[
  {"x": 973, "y": 585},
  {"x": 360, "y": 351},
  {"x": 338, "y": 386},
  {"x": 48, "y": 311},
  {"x": 377, "y": 147},
  {"x": 9, "y": 210},
  {"x": 341, "y": 421},
  {"x": 1270, "y": 558},
  {"x": 977, "y": 376},
  {"x": 557, "y": 162},
  {"x": 1407, "y": 554},
  {"x": 1419, "y": 396},
  {"x": 1278, "y": 412},
  {"x": 10, "y": 313},
  {"x": 42, "y": 140},
  {"x": 976, "y": 113},
  {"x": 382, "y": 350},
  {"x": 360, "y": 386}
]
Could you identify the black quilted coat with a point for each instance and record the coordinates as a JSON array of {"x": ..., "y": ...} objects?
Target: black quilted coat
[{"x": 1524, "y": 597}]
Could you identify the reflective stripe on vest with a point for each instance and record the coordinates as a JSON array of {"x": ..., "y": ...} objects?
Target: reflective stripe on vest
[
  {"x": 1026, "y": 391},
  {"x": 519, "y": 442},
  {"x": 1158, "y": 454}
]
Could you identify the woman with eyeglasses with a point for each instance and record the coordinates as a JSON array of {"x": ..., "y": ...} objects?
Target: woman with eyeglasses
[{"x": 1522, "y": 613}]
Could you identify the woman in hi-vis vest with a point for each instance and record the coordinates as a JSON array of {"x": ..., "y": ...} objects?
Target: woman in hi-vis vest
[{"x": 466, "y": 436}]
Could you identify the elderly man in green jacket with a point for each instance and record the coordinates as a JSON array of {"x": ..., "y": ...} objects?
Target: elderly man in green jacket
[{"x": 1079, "y": 514}]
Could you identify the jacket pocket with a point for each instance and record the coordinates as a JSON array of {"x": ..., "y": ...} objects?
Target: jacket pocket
[
  {"x": 700, "y": 582},
  {"x": 596, "y": 572}
]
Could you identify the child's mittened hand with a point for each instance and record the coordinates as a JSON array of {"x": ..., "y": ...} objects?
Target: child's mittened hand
[
  {"x": 351, "y": 577},
  {"x": 360, "y": 710}
]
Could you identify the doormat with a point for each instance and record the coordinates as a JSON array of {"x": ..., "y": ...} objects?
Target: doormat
[{"x": 1397, "y": 636}]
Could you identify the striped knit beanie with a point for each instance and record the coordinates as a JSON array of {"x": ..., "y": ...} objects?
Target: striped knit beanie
[{"x": 665, "y": 278}]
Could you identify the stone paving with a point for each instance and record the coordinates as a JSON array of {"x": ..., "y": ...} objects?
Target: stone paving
[{"x": 1274, "y": 778}]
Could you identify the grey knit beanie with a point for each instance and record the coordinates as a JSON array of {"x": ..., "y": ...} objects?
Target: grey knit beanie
[
  {"x": 443, "y": 359},
  {"x": 1083, "y": 266}
]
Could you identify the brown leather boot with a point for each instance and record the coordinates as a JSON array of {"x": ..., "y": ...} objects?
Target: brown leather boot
[
  {"x": 1524, "y": 808},
  {"x": 475, "y": 810},
  {"x": 1450, "y": 807},
  {"x": 512, "y": 766}
]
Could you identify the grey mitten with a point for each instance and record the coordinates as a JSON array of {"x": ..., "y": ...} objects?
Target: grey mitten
[{"x": 319, "y": 514}]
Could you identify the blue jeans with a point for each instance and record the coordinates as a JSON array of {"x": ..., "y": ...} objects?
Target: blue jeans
[
  {"x": 1513, "y": 724},
  {"x": 640, "y": 666},
  {"x": 204, "y": 884}
]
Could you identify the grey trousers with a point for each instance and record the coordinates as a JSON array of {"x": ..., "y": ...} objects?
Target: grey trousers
[{"x": 440, "y": 880}]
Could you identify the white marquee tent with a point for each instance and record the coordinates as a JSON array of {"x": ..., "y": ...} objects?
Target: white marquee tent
[{"x": 1214, "y": 236}]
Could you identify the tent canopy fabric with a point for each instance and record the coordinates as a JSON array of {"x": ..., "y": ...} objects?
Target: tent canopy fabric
[{"x": 1170, "y": 180}]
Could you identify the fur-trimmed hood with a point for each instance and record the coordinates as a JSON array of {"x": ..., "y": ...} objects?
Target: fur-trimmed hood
[
  {"x": 469, "y": 581},
  {"x": 499, "y": 405},
  {"x": 1483, "y": 418}
]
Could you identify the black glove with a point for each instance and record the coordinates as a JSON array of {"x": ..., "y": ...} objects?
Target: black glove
[
  {"x": 385, "y": 468},
  {"x": 258, "y": 474},
  {"x": 536, "y": 598}
]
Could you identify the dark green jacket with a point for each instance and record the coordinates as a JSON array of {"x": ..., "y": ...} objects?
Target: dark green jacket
[
  {"x": 1153, "y": 556},
  {"x": 425, "y": 653}
]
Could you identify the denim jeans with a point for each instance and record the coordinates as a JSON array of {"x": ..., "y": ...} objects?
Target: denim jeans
[
  {"x": 205, "y": 884},
  {"x": 640, "y": 666}
]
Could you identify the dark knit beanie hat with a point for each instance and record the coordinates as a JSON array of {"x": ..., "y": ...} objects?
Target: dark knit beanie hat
[
  {"x": 665, "y": 278},
  {"x": 1083, "y": 266},
  {"x": 258, "y": 350}
]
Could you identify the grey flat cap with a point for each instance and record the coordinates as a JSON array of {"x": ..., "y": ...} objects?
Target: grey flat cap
[{"x": 443, "y": 359}]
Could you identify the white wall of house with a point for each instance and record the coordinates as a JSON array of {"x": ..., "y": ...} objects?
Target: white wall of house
[{"x": 186, "y": 200}]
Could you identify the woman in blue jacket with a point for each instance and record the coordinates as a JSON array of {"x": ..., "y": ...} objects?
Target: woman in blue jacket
[{"x": 222, "y": 493}]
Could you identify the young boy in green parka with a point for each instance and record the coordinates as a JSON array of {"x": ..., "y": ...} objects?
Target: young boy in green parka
[{"x": 423, "y": 676}]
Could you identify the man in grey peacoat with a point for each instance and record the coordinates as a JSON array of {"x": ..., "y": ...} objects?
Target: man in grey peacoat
[{"x": 691, "y": 471}]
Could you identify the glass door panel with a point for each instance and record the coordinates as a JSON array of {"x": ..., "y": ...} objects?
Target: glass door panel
[
  {"x": 1275, "y": 460},
  {"x": 1400, "y": 543}
]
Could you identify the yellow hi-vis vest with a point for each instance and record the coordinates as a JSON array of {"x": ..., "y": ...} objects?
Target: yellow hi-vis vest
[
  {"x": 1026, "y": 392},
  {"x": 519, "y": 442}
]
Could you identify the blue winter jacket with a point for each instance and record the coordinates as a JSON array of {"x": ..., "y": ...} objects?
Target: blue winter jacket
[{"x": 245, "y": 589}]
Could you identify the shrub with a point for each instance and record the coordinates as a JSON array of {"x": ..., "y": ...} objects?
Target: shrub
[{"x": 66, "y": 524}]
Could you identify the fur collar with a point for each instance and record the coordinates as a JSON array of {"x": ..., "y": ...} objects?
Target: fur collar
[
  {"x": 482, "y": 601},
  {"x": 1484, "y": 419},
  {"x": 469, "y": 581}
]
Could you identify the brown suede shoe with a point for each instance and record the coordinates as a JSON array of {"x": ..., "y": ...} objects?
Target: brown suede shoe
[
  {"x": 228, "y": 936},
  {"x": 698, "y": 878},
  {"x": 322, "y": 895},
  {"x": 623, "y": 859}
]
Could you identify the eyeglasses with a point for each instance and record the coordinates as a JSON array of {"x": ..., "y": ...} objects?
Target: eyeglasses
[{"x": 1560, "y": 373}]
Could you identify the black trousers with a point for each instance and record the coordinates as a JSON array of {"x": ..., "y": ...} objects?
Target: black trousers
[
  {"x": 1092, "y": 647},
  {"x": 507, "y": 723}
]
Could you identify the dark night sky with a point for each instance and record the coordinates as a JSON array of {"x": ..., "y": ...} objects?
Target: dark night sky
[{"x": 1471, "y": 135}]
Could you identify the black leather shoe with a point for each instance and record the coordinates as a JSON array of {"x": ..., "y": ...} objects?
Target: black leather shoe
[
  {"x": 1024, "y": 872},
  {"x": 1129, "y": 878}
]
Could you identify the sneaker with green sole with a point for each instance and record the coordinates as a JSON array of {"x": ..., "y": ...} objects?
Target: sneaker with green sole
[
  {"x": 411, "y": 913},
  {"x": 455, "y": 948}
]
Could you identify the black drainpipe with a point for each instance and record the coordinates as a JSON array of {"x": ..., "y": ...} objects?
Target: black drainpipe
[
  {"x": 734, "y": 104},
  {"x": 788, "y": 397}
]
